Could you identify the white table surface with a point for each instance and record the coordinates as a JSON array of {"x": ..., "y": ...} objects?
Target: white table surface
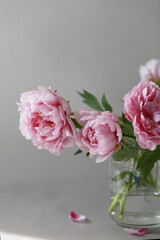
[{"x": 39, "y": 211}]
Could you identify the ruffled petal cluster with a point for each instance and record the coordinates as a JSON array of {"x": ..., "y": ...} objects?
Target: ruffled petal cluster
[
  {"x": 45, "y": 119},
  {"x": 142, "y": 108},
  {"x": 150, "y": 71},
  {"x": 100, "y": 133}
]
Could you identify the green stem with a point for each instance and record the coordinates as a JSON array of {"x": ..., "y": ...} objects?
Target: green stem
[
  {"x": 116, "y": 200},
  {"x": 156, "y": 179},
  {"x": 153, "y": 181},
  {"x": 120, "y": 197},
  {"x": 128, "y": 187},
  {"x": 122, "y": 205}
]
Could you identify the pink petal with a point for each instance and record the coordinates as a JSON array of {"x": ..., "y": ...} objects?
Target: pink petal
[
  {"x": 77, "y": 218},
  {"x": 139, "y": 232}
]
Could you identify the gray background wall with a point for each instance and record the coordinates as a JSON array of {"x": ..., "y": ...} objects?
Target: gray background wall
[{"x": 70, "y": 45}]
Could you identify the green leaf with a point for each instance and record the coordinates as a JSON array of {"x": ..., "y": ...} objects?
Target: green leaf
[
  {"x": 78, "y": 151},
  {"x": 126, "y": 126},
  {"x": 105, "y": 104},
  {"x": 87, "y": 154},
  {"x": 121, "y": 176},
  {"x": 125, "y": 153},
  {"x": 127, "y": 130},
  {"x": 77, "y": 125},
  {"x": 125, "y": 120},
  {"x": 149, "y": 157},
  {"x": 130, "y": 140},
  {"x": 147, "y": 160},
  {"x": 91, "y": 100}
]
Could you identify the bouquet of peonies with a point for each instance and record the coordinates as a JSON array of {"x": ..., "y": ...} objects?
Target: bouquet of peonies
[{"x": 46, "y": 119}]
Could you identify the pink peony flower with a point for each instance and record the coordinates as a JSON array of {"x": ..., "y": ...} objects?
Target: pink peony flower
[
  {"x": 151, "y": 71},
  {"x": 100, "y": 135},
  {"x": 142, "y": 108},
  {"x": 45, "y": 119}
]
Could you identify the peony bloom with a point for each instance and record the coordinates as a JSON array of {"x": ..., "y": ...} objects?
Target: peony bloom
[
  {"x": 151, "y": 71},
  {"x": 45, "y": 119},
  {"x": 100, "y": 134},
  {"x": 142, "y": 108}
]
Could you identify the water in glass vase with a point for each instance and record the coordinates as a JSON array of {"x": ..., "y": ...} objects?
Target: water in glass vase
[
  {"x": 141, "y": 210},
  {"x": 133, "y": 202}
]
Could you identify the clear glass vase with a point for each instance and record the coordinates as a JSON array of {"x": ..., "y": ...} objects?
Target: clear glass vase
[{"x": 133, "y": 202}]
